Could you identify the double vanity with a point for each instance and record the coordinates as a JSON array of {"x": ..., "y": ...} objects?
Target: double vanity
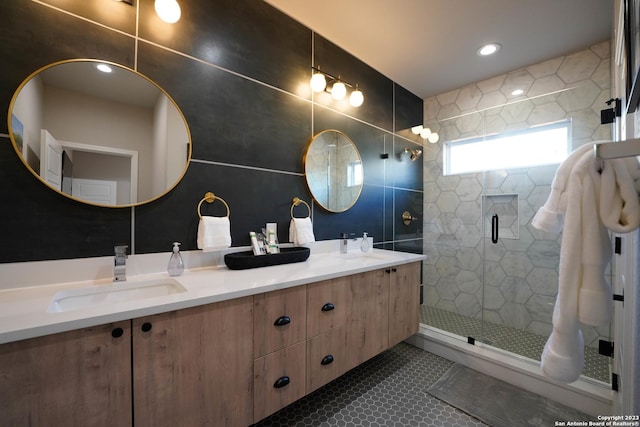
[{"x": 211, "y": 347}]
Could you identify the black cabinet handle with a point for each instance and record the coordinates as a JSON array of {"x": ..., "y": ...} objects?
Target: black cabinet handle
[
  {"x": 394, "y": 269},
  {"x": 388, "y": 271},
  {"x": 494, "y": 228},
  {"x": 281, "y": 382},
  {"x": 146, "y": 327},
  {"x": 328, "y": 307},
  {"x": 328, "y": 359},
  {"x": 117, "y": 332},
  {"x": 282, "y": 320}
]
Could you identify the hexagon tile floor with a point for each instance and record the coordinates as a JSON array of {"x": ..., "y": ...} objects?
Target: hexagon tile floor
[{"x": 388, "y": 390}]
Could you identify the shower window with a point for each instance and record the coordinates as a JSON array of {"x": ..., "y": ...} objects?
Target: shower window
[{"x": 536, "y": 146}]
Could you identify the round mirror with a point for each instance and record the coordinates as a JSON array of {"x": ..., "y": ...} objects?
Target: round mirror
[
  {"x": 99, "y": 132},
  {"x": 333, "y": 169}
]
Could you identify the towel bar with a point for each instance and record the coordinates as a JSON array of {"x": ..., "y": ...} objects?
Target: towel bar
[
  {"x": 209, "y": 197},
  {"x": 296, "y": 202}
]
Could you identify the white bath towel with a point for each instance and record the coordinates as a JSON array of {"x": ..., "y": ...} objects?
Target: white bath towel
[
  {"x": 563, "y": 355},
  {"x": 619, "y": 205},
  {"x": 301, "y": 231},
  {"x": 214, "y": 233},
  {"x": 550, "y": 216}
]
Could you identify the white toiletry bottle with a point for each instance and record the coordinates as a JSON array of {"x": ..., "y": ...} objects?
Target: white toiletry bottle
[
  {"x": 254, "y": 244},
  {"x": 273, "y": 243},
  {"x": 176, "y": 265},
  {"x": 364, "y": 246}
]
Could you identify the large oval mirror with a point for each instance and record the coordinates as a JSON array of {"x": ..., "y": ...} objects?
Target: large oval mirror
[
  {"x": 106, "y": 138},
  {"x": 333, "y": 170}
]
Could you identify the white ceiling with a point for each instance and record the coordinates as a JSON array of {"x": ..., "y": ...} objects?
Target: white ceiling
[{"x": 429, "y": 46}]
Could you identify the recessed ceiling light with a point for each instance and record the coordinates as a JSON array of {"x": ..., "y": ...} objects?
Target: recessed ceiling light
[
  {"x": 488, "y": 49},
  {"x": 104, "y": 68},
  {"x": 517, "y": 92}
]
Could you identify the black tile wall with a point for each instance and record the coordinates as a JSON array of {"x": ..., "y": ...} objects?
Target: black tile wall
[{"x": 236, "y": 69}]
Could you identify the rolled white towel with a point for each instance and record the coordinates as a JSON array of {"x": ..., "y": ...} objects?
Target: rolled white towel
[
  {"x": 214, "y": 233},
  {"x": 301, "y": 231}
]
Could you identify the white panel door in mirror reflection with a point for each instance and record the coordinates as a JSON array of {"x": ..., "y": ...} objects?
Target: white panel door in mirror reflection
[{"x": 96, "y": 174}]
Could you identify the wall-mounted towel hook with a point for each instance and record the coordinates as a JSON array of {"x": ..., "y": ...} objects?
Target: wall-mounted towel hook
[
  {"x": 296, "y": 202},
  {"x": 209, "y": 197}
]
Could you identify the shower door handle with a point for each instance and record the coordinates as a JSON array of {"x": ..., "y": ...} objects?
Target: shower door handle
[{"x": 494, "y": 228}]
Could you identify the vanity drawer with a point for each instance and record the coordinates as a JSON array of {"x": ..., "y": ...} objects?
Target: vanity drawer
[
  {"x": 278, "y": 380},
  {"x": 325, "y": 358},
  {"x": 326, "y": 305},
  {"x": 279, "y": 320}
]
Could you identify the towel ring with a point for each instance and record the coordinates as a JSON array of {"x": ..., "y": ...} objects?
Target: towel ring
[
  {"x": 296, "y": 202},
  {"x": 209, "y": 197}
]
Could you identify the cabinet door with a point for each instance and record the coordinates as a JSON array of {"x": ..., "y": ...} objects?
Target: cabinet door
[
  {"x": 280, "y": 319},
  {"x": 194, "y": 366},
  {"x": 326, "y": 358},
  {"x": 278, "y": 379},
  {"x": 367, "y": 320},
  {"x": 326, "y": 305},
  {"x": 76, "y": 378},
  {"x": 404, "y": 300}
]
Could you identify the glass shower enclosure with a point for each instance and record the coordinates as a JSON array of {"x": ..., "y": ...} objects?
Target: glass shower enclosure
[{"x": 490, "y": 277}]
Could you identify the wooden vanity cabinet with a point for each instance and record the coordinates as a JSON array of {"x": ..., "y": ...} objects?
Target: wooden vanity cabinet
[
  {"x": 230, "y": 363},
  {"x": 279, "y": 332},
  {"x": 75, "y": 378},
  {"x": 194, "y": 366},
  {"x": 404, "y": 301}
]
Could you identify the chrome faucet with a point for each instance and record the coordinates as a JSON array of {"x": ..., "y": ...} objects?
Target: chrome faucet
[
  {"x": 120, "y": 263},
  {"x": 344, "y": 242}
]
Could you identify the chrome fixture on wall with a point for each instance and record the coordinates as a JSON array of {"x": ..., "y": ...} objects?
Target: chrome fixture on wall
[
  {"x": 335, "y": 86},
  {"x": 425, "y": 133},
  {"x": 415, "y": 153}
]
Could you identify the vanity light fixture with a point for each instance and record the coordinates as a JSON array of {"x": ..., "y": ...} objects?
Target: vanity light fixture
[
  {"x": 488, "y": 49},
  {"x": 356, "y": 98},
  {"x": 322, "y": 81},
  {"x": 425, "y": 133},
  {"x": 168, "y": 10}
]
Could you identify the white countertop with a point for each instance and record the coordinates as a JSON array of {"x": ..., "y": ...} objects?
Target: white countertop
[{"x": 23, "y": 311}]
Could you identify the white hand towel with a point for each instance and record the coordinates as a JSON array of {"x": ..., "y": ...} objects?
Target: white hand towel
[
  {"x": 301, "y": 231},
  {"x": 214, "y": 233}
]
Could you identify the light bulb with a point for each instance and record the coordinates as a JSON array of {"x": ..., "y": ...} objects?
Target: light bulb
[
  {"x": 168, "y": 10},
  {"x": 339, "y": 90},
  {"x": 356, "y": 98},
  {"x": 416, "y": 130},
  {"x": 318, "y": 82},
  {"x": 433, "y": 138},
  {"x": 425, "y": 133}
]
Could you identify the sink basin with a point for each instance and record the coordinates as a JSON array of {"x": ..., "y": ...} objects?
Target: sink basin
[{"x": 78, "y": 299}]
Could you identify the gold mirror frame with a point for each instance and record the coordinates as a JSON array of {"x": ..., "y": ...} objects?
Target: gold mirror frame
[
  {"x": 167, "y": 128},
  {"x": 333, "y": 170}
]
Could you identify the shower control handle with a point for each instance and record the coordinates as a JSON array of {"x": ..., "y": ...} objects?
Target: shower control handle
[{"x": 494, "y": 228}]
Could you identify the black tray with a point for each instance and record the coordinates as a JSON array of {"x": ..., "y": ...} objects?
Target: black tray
[{"x": 246, "y": 260}]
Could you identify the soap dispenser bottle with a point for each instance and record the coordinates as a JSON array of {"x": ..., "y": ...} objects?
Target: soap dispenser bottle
[
  {"x": 176, "y": 265},
  {"x": 364, "y": 246}
]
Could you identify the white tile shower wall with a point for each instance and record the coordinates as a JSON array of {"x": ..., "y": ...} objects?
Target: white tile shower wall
[{"x": 520, "y": 275}]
